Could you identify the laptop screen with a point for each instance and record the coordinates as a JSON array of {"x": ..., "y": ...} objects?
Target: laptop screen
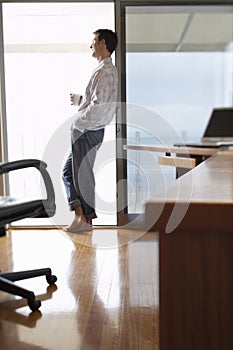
[{"x": 220, "y": 124}]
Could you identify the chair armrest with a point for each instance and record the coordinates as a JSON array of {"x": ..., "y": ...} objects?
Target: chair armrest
[
  {"x": 34, "y": 163},
  {"x": 20, "y": 164}
]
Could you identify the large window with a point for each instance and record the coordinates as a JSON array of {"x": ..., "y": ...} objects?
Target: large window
[
  {"x": 47, "y": 56},
  {"x": 179, "y": 66},
  {"x": 178, "y": 62}
]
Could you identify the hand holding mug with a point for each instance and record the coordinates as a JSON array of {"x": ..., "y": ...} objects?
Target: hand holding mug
[{"x": 75, "y": 99}]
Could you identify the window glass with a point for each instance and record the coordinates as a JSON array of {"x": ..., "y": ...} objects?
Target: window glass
[
  {"x": 47, "y": 56},
  {"x": 179, "y": 66}
]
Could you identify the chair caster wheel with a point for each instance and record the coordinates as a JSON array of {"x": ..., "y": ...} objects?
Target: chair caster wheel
[
  {"x": 34, "y": 304},
  {"x": 51, "y": 279}
]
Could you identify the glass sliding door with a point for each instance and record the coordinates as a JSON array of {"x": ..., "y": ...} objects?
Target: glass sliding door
[
  {"x": 178, "y": 67},
  {"x": 47, "y": 56}
]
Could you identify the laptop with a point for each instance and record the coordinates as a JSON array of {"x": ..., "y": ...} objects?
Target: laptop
[{"x": 218, "y": 132}]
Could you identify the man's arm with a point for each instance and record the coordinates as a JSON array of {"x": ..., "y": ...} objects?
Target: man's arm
[{"x": 101, "y": 108}]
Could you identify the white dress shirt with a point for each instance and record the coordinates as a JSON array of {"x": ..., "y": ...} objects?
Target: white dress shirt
[{"x": 99, "y": 103}]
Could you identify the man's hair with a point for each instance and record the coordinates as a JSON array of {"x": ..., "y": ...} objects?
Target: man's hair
[{"x": 110, "y": 38}]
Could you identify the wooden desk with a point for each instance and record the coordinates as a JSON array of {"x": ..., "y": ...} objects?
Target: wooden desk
[
  {"x": 196, "y": 258},
  {"x": 198, "y": 151}
]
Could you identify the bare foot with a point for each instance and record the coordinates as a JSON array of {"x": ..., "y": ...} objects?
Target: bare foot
[{"x": 78, "y": 225}]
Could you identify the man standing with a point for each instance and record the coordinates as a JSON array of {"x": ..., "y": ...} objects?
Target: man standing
[{"x": 87, "y": 132}]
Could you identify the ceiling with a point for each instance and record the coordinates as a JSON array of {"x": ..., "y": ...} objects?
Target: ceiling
[{"x": 185, "y": 29}]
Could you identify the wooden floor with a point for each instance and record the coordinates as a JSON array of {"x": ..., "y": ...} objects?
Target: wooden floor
[{"x": 106, "y": 296}]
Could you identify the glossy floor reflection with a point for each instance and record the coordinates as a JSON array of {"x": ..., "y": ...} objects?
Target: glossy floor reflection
[{"x": 106, "y": 296}]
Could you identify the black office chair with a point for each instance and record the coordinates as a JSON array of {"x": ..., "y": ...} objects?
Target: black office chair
[{"x": 12, "y": 209}]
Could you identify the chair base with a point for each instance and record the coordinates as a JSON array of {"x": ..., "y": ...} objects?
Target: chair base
[{"x": 7, "y": 284}]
